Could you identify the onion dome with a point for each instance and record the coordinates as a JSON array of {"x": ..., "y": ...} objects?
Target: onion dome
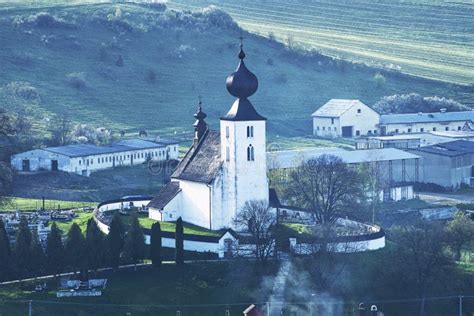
[
  {"x": 242, "y": 83},
  {"x": 200, "y": 126}
]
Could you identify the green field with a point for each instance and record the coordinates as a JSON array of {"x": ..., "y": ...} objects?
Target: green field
[
  {"x": 189, "y": 53},
  {"x": 432, "y": 39},
  {"x": 26, "y": 204}
]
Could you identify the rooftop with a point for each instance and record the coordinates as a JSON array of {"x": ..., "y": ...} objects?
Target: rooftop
[
  {"x": 426, "y": 117},
  {"x": 336, "y": 107},
  {"x": 79, "y": 150},
  {"x": 293, "y": 158},
  {"x": 450, "y": 149},
  {"x": 202, "y": 162}
]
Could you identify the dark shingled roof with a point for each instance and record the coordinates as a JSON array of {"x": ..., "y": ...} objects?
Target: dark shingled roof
[
  {"x": 166, "y": 194},
  {"x": 202, "y": 162}
]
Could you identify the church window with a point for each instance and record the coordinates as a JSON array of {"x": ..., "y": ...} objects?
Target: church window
[
  {"x": 250, "y": 153},
  {"x": 332, "y": 120},
  {"x": 459, "y": 128},
  {"x": 434, "y": 129},
  {"x": 80, "y": 162},
  {"x": 447, "y": 128},
  {"x": 227, "y": 132},
  {"x": 227, "y": 153},
  {"x": 249, "y": 131}
]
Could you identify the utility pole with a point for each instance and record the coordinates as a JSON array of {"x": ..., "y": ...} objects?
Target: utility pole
[
  {"x": 460, "y": 305},
  {"x": 30, "y": 308}
]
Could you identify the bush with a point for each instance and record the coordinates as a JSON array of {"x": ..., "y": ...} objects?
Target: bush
[
  {"x": 43, "y": 20},
  {"x": 379, "y": 79},
  {"x": 414, "y": 103},
  {"x": 77, "y": 80},
  {"x": 429, "y": 187},
  {"x": 23, "y": 90}
]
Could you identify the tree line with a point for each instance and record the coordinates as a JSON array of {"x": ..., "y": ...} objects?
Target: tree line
[{"x": 28, "y": 257}]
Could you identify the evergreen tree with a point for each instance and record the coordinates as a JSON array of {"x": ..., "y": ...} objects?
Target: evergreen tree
[
  {"x": 5, "y": 253},
  {"x": 134, "y": 248},
  {"x": 55, "y": 251},
  {"x": 179, "y": 239},
  {"x": 38, "y": 258},
  {"x": 115, "y": 240},
  {"x": 155, "y": 245},
  {"x": 75, "y": 248},
  {"x": 22, "y": 249},
  {"x": 94, "y": 245}
]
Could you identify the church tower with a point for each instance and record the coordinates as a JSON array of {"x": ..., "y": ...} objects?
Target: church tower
[{"x": 243, "y": 144}]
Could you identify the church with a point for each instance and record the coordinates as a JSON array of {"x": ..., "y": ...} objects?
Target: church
[{"x": 222, "y": 170}]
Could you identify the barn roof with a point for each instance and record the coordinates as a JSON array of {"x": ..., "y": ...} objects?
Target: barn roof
[
  {"x": 427, "y": 117},
  {"x": 451, "y": 149},
  {"x": 79, "y": 150},
  {"x": 203, "y": 161},
  {"x": 293, "y": 158},
  {"x": 337, "y": 107}
]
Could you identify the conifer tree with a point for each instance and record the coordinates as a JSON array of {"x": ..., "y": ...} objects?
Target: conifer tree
[
  {"x": 115, "y": 241},
  {"x": 134, "y": 248},
  {"x": 55, "y": 255},
  {"x": 5, "y": 253},
  {"x": 38, "y": 257},
  {"x": 94, "y": 245},
  {"x": 22, "y": 250},
  {"x": 155, "y": 245},
  {"x": 179, "y": 239},
  {"x": 75, "y": 248}
]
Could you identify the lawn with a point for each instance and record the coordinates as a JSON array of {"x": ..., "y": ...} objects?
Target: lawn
[
  {"x": 203, "y": 283},
  {"x": 81, "y": 219},
  {"x": 26, "y": 204}
]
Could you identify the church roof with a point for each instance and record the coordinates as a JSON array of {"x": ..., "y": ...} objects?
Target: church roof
[
  {"x": 202, "y": 162},
  {"x": 242, "y": 110},
  {"x": 166, "y": 194}
]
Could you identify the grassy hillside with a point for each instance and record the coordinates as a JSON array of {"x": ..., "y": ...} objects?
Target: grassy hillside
[
  {"x": 68, "y": 60},
  {"x": 433, "y": 39}
]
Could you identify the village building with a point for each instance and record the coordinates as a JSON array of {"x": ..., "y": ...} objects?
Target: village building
[
  {"x": 397, "y": 169},
  {"x": 391, "y": 124},
  {"x": 345, "y": 118},
  {"x": 83, "y": 159},
  {"x": 447, "y": 164},
  {"x": 223, "y": 169}
]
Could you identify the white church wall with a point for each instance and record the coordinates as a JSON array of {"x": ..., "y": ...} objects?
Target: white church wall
[{"x": 195, "y": 203}]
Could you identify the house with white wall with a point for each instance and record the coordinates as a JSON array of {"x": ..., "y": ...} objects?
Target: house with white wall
[
  {"x": 345, "y": 118},
  {"x": 408, "y": 123},
  {"x": 83, "y": 159}
]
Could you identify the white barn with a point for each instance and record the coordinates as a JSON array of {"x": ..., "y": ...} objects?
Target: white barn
[
  {"x": 345, "y": 118},
  {"x": 83, "y": 159},
  {"x": 223, "y": 169},
  {"x": 391, "y": 124}
]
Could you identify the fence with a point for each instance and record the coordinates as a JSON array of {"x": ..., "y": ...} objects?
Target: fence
[{"x": 433, "y": 306}]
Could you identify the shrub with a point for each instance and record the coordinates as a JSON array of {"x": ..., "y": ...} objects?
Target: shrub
[
  {"x": 77, "y": 80},
  {"x": 43, "y": 20},
  {"x": 429, "y": 187},
  {"x": 379, "y": 79},
  {"x": 413, "y": 103},
  {"x": 23, "y": 90}
]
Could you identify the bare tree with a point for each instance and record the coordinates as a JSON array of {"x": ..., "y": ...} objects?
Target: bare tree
[
  {"x": 375, "y": 181},
  {"x": 325, "y": 186},
  {"x": 257, "y": 221},
  {"x": 61, "y": 128}
]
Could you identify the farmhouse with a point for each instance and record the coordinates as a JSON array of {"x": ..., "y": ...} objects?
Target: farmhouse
[
  {"x": 83, "y": 159},
  {"x": 345, "y": 118},
  {"x": 424, "y": 122},
  {"x": 447, "y": 164},
  {"x": 223, "y": 169}
]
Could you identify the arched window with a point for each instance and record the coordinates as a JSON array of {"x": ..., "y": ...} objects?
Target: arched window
[
  {"x": 250, "y": 154},
  {"x": 249, "y": 131}
]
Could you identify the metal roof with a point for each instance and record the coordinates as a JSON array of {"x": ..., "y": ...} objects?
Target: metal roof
[
  {"x": 426, "y": 117},
  {"x": 293, "y": 158},
  {"x": 337, "y": 107},
  {"x": 79, "y": 150},
  {"x": 451, "y": 149}
]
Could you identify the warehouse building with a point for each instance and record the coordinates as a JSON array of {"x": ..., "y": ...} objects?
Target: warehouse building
[{"x": 83, "y": 159}]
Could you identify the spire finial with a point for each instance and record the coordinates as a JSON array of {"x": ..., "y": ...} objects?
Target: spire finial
[
  {"x": 241, "y": 53},
  {"x": 200, "y": 103}
]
